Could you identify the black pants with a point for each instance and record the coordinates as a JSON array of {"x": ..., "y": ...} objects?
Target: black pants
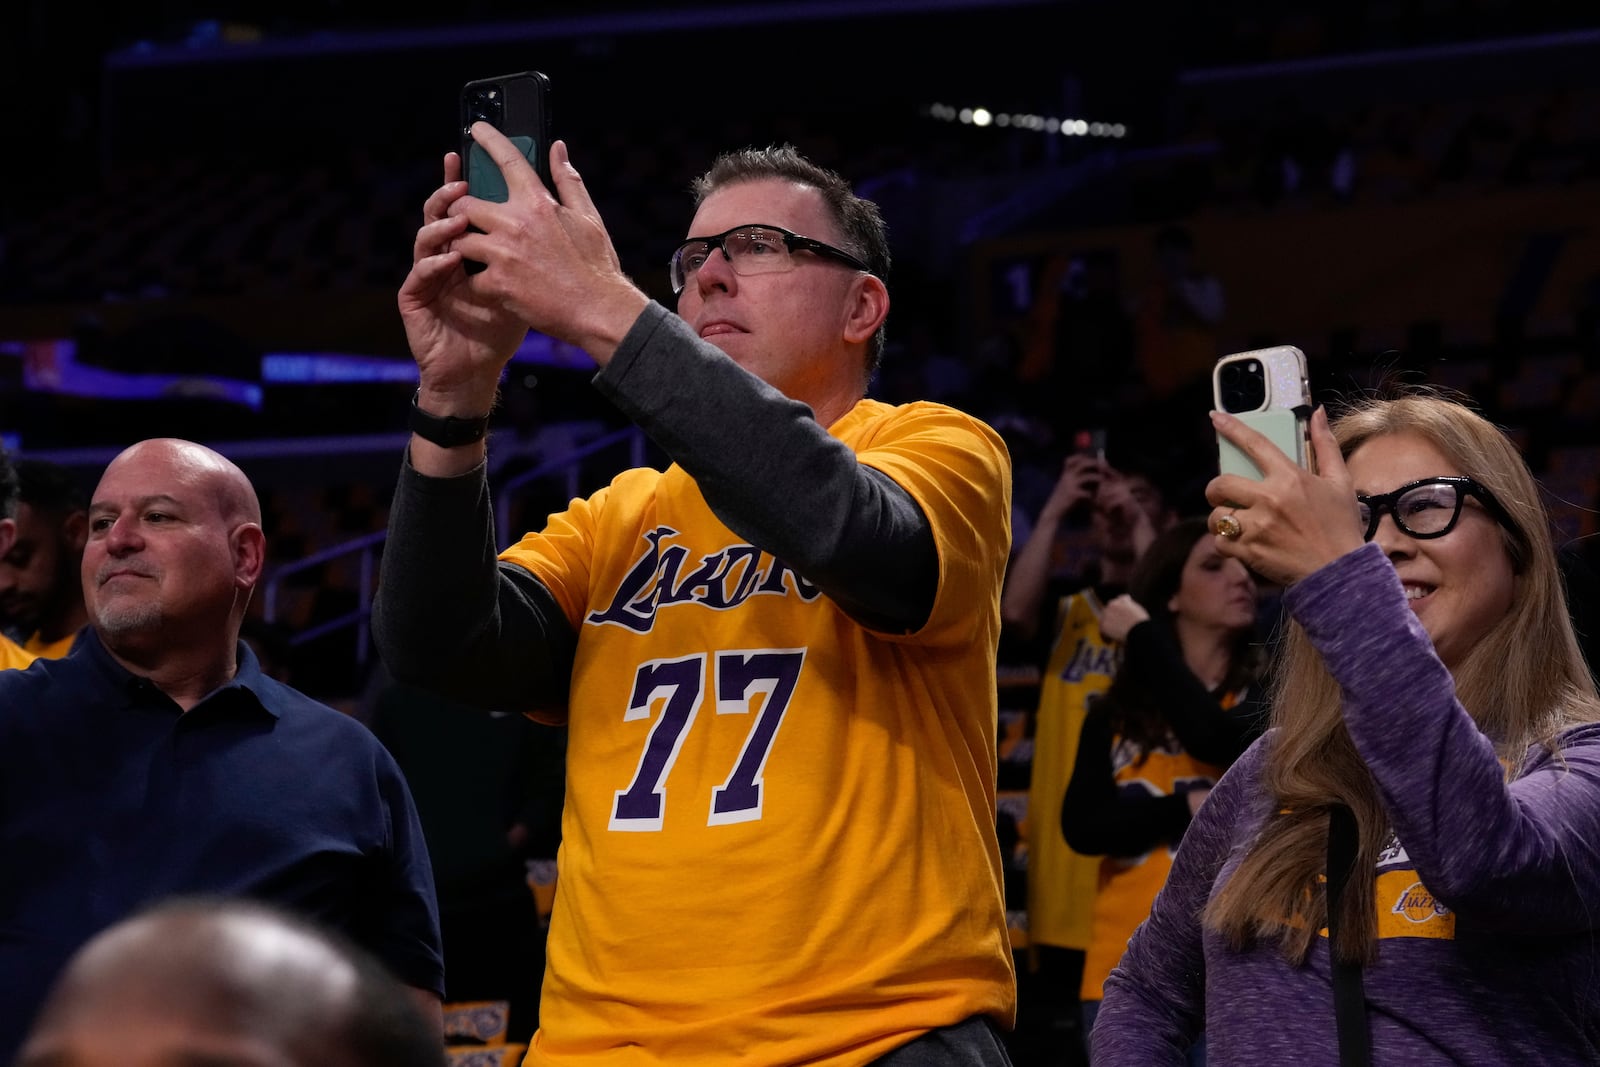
[
  {"x": 494, "y": 950},
  {"x": 972, "y": 1043},
  {"x": 1049, "y": 1025}
]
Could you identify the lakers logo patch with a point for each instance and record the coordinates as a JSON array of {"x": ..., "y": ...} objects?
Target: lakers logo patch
[
  {"x": 1407, "y": 908},
  {"x": 1418, "y": 905}
]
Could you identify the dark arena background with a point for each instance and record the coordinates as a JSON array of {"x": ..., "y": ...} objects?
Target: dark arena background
[{"x": 208, "y": 209}]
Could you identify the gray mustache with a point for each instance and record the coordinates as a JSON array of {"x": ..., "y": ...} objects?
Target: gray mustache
[{"x": 106, "y": 570}]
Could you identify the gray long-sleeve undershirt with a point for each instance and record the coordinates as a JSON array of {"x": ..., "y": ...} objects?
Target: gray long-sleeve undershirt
[{"x": 447, "y": 615}]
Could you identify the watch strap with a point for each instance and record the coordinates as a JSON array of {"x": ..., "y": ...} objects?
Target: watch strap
[{"x": 446, "y": 431}]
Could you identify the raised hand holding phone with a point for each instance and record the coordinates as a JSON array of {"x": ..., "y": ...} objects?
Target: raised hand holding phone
[
  {"x": 550, "y": 265},
  {"x": 459, "y": 336},
  {"x": 1288, "y": 521},
  {"x": 1080, "y": 479}
]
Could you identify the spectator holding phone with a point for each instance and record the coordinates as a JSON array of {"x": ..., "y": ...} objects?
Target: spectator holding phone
[
  {"x": 1404, "y": 868},
  {"x": 775, "y": 659},
  {"x": 1061, "y": 619},
  {"x": 1183, "y": 706}
]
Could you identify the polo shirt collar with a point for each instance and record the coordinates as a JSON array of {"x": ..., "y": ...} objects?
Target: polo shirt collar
[{"x": 247, "y": 679}]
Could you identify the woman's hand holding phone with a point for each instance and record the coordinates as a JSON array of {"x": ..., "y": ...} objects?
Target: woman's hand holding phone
[{"x": 1291, "y": 522}]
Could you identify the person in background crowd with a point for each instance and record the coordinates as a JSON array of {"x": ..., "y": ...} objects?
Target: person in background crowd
[
  {"x": 1127, "y": 509},
  {"x": 1403, "y": 869},
  {"x": 1183, "y": 706},
  {"x": 12, "y": 656},
  {"x": 41, "y": 595}
]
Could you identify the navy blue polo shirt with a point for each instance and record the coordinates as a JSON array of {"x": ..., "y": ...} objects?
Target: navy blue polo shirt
[{"x": 112, "y": 798}]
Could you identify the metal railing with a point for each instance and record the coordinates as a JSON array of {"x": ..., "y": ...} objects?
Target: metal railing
[
  {"x": 369, "y": 547},
  {"x": 569, "y": 464}
]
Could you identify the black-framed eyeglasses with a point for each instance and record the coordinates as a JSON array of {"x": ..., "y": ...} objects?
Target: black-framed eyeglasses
[
  {"x": 753, "y": 248},
  {"x": 1428, "y": 507}
]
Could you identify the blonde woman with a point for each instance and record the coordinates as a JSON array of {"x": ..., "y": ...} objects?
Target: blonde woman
[{"x": 1433, "y": 710}]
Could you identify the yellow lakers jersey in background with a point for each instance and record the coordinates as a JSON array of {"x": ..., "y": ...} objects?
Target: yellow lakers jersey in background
[{"x": 1061, "y": 882}]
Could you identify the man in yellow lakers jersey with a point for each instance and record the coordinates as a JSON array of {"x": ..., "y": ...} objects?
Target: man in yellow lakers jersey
[{"x": 775, "y": 659}]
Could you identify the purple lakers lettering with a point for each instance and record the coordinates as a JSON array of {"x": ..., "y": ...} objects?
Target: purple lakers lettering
[
  {"x": 1089, "y": 659},
  {"x": 718, "y": 580}
]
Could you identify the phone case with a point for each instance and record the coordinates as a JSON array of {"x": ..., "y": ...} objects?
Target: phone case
[
  {"x": 524, "y": 106},
  {"x": 483, "y": 175},
  {"x": 518, "y": 105},
  {"x": 1285, "y": 412},
  {"x": 1283, "y": 427}
]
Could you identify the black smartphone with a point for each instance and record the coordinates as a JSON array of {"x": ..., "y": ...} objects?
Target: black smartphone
[
  {"x": 518, "y": 105},
  {"x": 1090, "y": 443}
]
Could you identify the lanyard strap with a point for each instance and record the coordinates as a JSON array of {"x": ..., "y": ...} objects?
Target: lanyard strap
[{"x": 1349, "y": 1001}]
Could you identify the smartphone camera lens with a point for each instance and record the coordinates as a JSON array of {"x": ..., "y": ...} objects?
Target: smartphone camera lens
[
  {"x": 486, "y": 105},
  {"x": 1244, "y": 386}
]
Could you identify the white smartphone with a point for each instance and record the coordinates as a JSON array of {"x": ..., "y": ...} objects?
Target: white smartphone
[{"x": 1269, "y": 390}]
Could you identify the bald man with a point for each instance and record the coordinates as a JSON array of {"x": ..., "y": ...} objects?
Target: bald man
[
  {"x": 227, "y": 982},
  {"x": 157, "y": 759}
]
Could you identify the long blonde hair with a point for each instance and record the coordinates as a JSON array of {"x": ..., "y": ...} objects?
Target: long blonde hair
[{"x": 1523, "y": 683}]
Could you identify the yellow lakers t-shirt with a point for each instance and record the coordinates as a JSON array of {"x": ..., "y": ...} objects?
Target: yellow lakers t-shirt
[
  {"x": 779, "y": 836},
  {"x": 1128, "y": 884},
  {"x": 12, "y": 655},
  {"x": 43, "y": 649}
]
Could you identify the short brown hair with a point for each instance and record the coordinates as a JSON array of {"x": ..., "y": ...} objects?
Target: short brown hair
[{"x": 864, "y": 234}]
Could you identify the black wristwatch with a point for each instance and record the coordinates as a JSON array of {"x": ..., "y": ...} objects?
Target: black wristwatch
[{"x": 446, "y": 431}]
